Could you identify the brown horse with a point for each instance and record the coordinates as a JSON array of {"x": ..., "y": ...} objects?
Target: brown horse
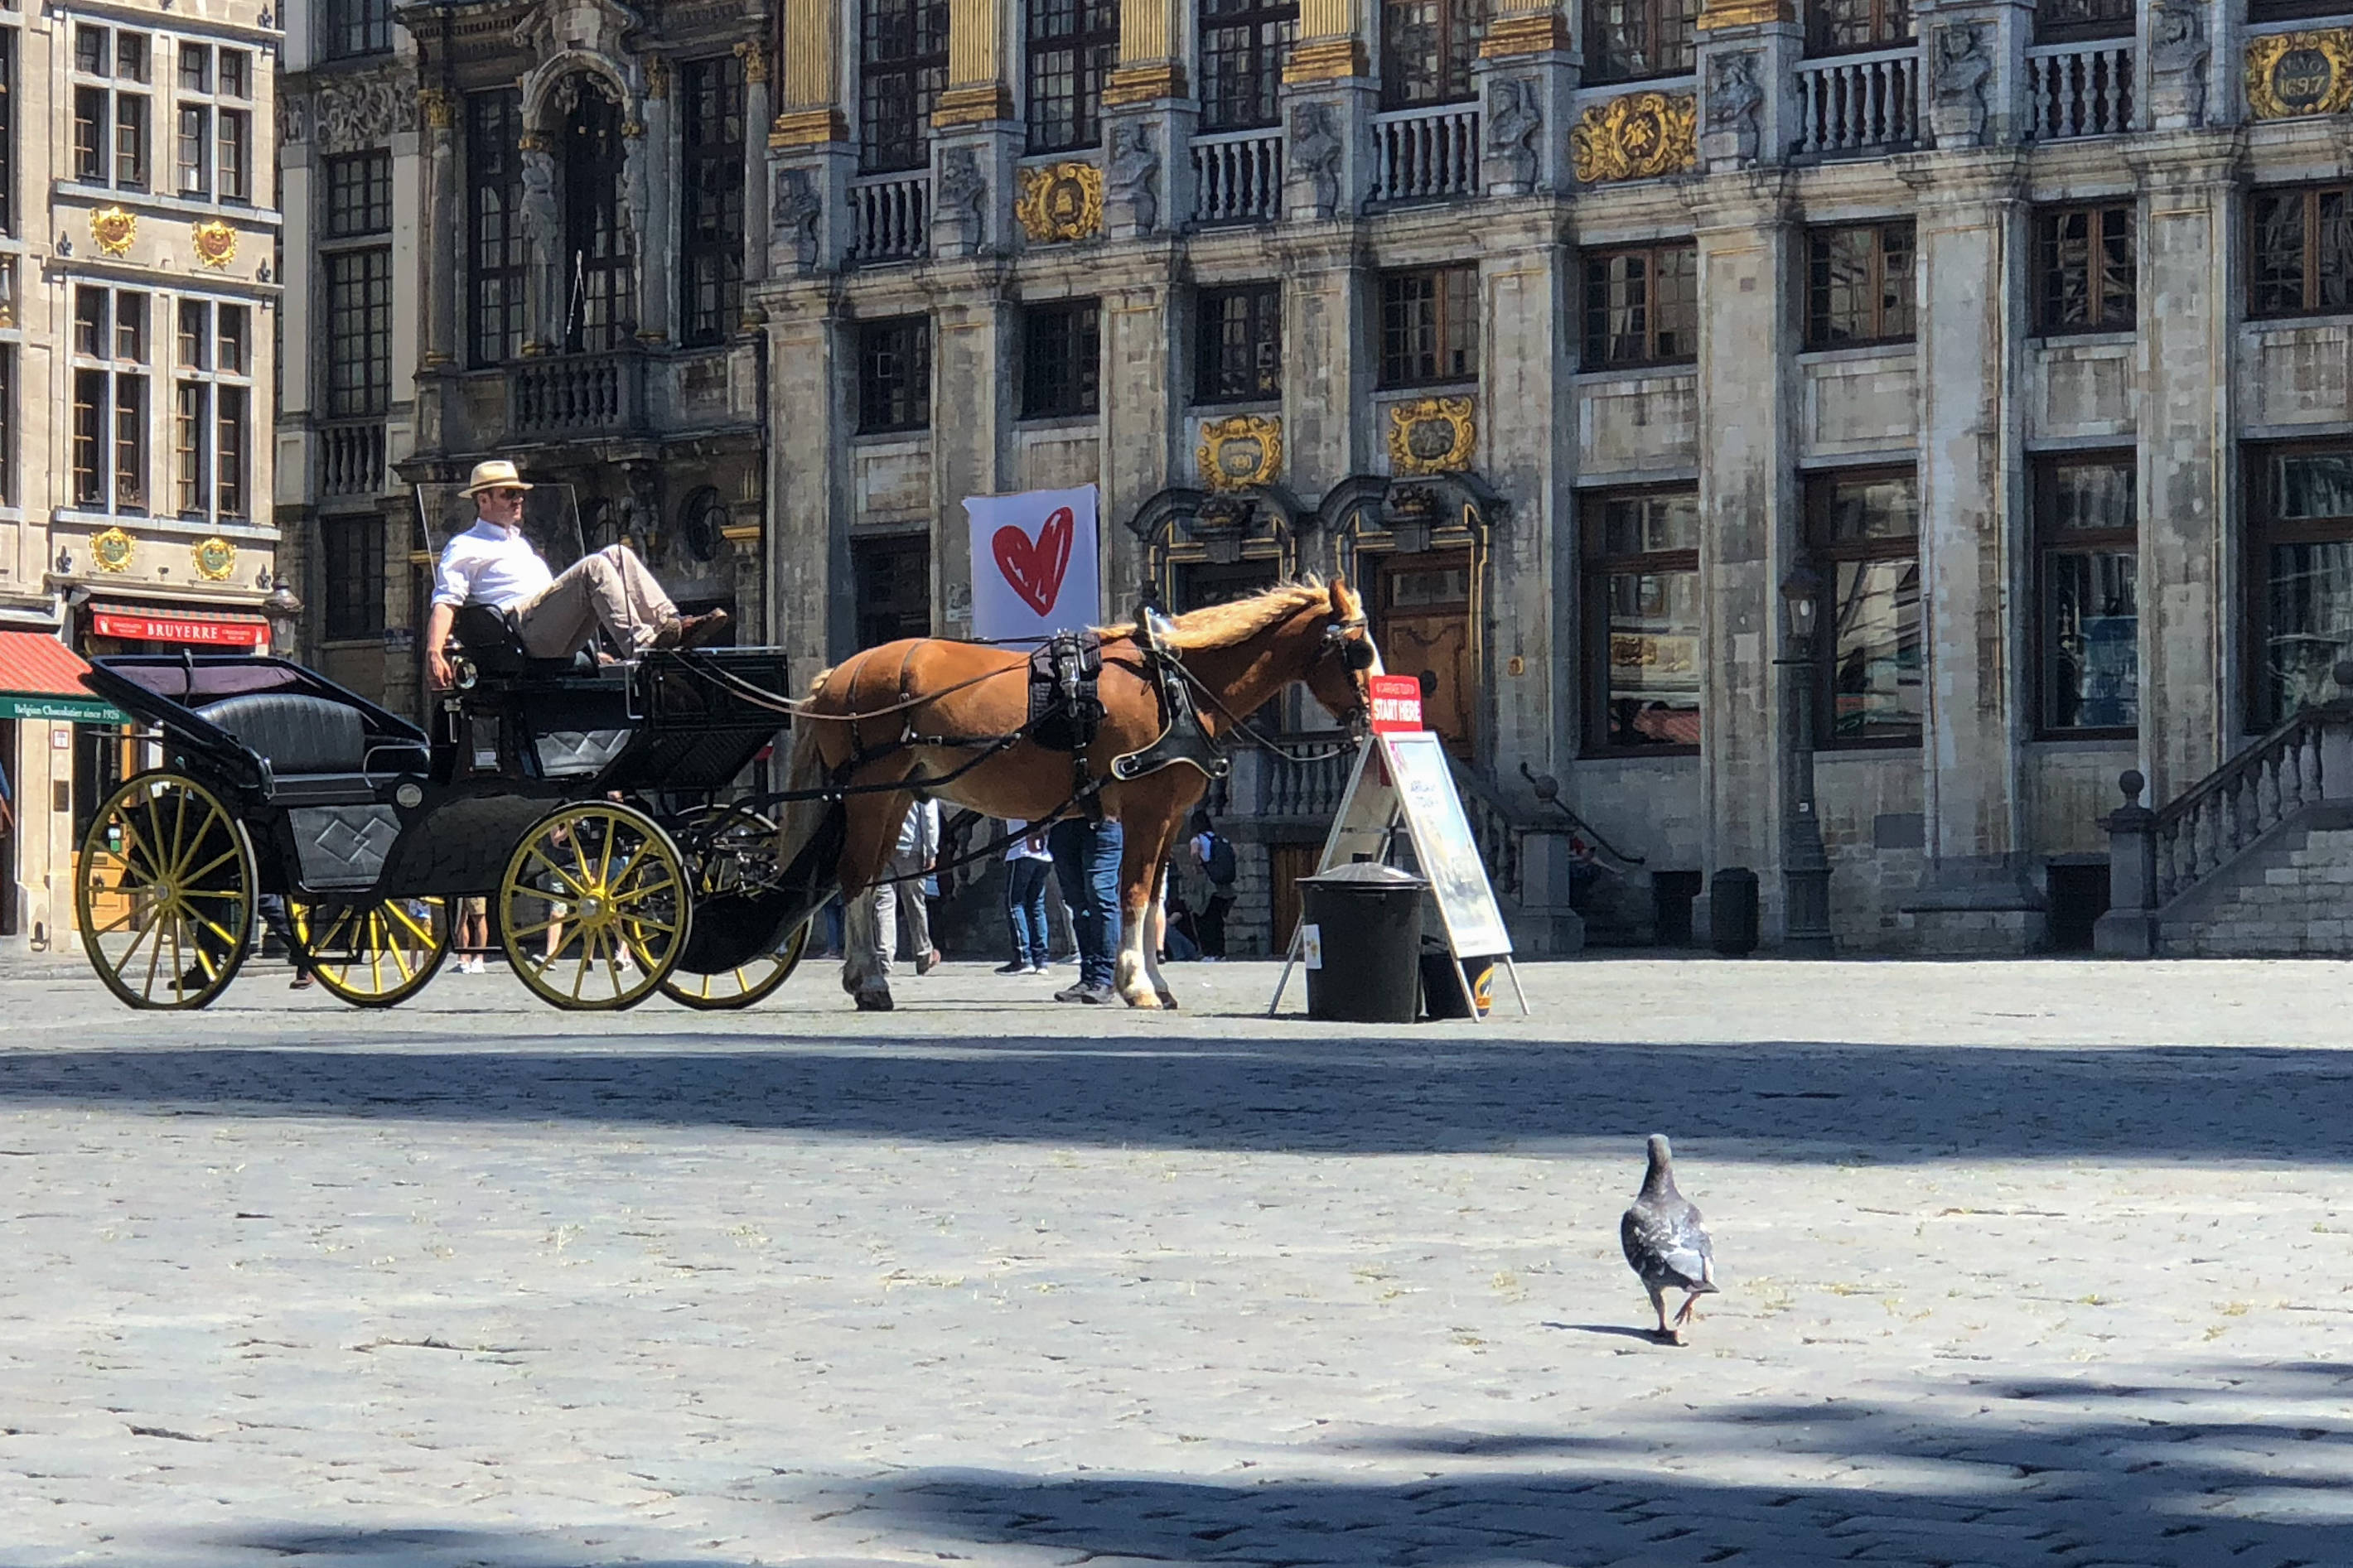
[{"x": 1244, "y": 652}]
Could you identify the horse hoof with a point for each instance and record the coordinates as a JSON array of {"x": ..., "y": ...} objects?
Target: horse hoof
[
  {"x": 1144, "y": 999},
  {"x": 873, "y": 1001},
  {"x": 1168, "y": 1000}
]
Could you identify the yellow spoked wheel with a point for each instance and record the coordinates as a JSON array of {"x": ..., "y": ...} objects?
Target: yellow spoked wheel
[
  {"x": 374, "y": 953},
  {"x": 727, "y": 847},
  {"x": 594, "y": 907},
  {"x": 164, "y": 893}
]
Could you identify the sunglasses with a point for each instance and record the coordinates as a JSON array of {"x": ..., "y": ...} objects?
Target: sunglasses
[{"x": 504, "y": 495}]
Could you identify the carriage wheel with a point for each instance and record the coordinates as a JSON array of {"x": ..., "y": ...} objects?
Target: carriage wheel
[
  {"x": 374, "y": 953},
  {"x": 725, "y": 847},
  {"x": 594, "y": 907},
  {"x": 164, "y": 893}
]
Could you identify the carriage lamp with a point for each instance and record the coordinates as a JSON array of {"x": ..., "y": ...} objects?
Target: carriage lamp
[
  {"x": 1805, "y": 866},
  {"x": 1801, "y": 602}
]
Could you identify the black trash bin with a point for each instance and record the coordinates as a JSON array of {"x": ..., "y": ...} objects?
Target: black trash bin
[
  {"x": 1732, "y": 911},
  {"x": 1363, "y": 922}
]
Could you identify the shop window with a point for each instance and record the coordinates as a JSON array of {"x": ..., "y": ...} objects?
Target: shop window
[
  {"x": 2088, "y": 559},
  {"x": 2302, "y": 588},
  {"x": 1863, "y": 534},
  {"x": 1642, "y": 612}
]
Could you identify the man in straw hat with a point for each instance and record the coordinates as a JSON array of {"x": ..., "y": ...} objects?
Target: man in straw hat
[{"x": 493, "y": 563}]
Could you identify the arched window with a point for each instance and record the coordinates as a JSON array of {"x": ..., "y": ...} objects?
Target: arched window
[
  {"x": 1072, "y": 46},
  {"x": 902, "y": 65},
  {"x": 1242, "y": 46},
  {"x": 597, "y": 312},
  {"x": 701, "y": 522},
  {"x": 1427, "y": 48}
]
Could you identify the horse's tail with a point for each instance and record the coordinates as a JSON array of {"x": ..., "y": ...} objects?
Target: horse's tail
[{"x": 806, "y": 817}]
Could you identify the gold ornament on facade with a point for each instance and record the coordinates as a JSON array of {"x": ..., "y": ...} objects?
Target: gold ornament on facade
[
  {"x": 1060, "y": 201},
  {"x": 1744, "y": 12},
  {"x": 215, "y": 559},
  {"x": 755, "y": 60},
  {"x": 440, "y": 108},
  {"x": 1327, "y": 59},
  {"x": 1431, "y": 435},
  {"x": 112, "y": 550},
  {"x": 1246, "y": 449},
  {"x": 657, "y": 75},
  {"x": 1638, "y": 137},
  {"x": 2300, "y": 73},
  {"x": 114, "y": 229},
  {"x": 1530, "y": 33},
  {"x": 982, "y": 104},
  {"x": 1143, "y": 84},
  {"x": 215, "y": 242},
  {"x": 807, "y": 127}
]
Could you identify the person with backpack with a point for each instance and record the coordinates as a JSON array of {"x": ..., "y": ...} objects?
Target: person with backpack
[{"x": 1213, "y": 854}]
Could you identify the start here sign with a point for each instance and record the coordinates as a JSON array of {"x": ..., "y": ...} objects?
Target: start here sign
[{"x": 1397, "y": 704}]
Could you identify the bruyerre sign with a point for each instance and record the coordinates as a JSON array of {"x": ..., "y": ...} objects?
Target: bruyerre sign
[{"x": 1034, "y": 564}]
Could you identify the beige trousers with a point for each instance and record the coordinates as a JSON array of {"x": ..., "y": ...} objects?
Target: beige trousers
[
  {"x": 872, "y": 922},
  {"x": 610, "y": 588}
]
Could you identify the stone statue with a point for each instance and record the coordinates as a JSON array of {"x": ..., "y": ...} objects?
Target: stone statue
[
  {"x": 2177, "y": 58},
  {"x": 794, "y": 209},
  {"x": 633, "y": 191},
  {"x": 1963, "y": 67},
  {"x": 1513, "y": 118},
  {"x": 1733, "y": 95},
  {"x": 963, "y": 193},
  {"x": 543, "y": 218},
  {"x": 1315, "y": 152},
  {"x": 1134, "y": 175}
]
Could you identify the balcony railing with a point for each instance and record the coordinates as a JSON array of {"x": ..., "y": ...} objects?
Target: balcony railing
[
  {"x": 1423, "y": 152},
  {"x": 2080, "y": 89},
  {"x": 890, "y": 218},
  {"x": 576, "y": 394},
  {"x": 351, "y": 457},
  {"x": 1859, "y": 103},
  {"x": 1238, "y": 177}
]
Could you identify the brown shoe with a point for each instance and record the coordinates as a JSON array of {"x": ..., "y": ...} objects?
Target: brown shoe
[
  {"x": 666, "y": 635},
  {"x": 696, "y": 631}
]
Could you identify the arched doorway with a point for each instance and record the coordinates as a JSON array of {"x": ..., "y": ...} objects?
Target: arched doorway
[
  {"x": 1417, "y": 549},
  {"x": 594, "y": 271}
]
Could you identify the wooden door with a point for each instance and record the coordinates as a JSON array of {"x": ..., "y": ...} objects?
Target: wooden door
[
  {"x": 1423, "y": 626},
  {"x": 1288, "y": 863}
]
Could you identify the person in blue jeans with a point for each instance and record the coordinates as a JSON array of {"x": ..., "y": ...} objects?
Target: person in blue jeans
[
  {"x": 1086, "y": 862},
  {"x": 1027, "y": 865}
]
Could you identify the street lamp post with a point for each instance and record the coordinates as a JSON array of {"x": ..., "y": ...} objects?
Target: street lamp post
[{"x": 1805, "y": 867}]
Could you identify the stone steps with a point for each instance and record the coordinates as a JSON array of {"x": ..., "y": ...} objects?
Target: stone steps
[{"x": 2290, "y": 895}]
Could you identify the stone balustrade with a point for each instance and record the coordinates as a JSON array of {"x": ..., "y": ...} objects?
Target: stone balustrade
[
  {"x": 1238, "y": 177},
  {"x": 1858, "y": 103},
  {"x": 576, "y": 394},
  {"x": 890, "y": 218},
  {"x": 351, "y": 457},
  {"x": 2080, "y": 89},
  {"x": 1419, "y": 155}
]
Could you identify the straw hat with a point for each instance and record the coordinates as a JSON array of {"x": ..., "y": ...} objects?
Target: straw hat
[{"x": 498, "y": 474}]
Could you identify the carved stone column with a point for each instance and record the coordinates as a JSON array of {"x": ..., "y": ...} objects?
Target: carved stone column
[
  {"x": 651, "y": 203},
  {"x": 444, "y": 241},
  {"x": 543, "y": 226},
  {"x": 756, "y": 98}
]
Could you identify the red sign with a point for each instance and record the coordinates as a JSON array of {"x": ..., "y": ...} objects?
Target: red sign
[
  {"x": 1397, "y": 704},
  {"x": 200, "y": 631}
]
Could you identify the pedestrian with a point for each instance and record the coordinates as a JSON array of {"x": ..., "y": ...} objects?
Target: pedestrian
[
  {"x": 1212, "y": 853},
  {"x": 1175, "y": 922},
  {"x": 874, "y": 917},
  {"x": 276, "y": 919},
  {"x": 1086, "y": 863},
  {"x": 473, "y": 936},
  {"x": 1028, "y": 864}
]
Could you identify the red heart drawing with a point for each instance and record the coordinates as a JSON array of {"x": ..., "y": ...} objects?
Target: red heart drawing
[{"x": 1035, "y": 567}]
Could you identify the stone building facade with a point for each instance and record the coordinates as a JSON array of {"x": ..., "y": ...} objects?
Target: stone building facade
[
  {"x": 139, "y": 227},
  {"x": 1573, "y": 333},
  {"x": 516, "y": 228}
]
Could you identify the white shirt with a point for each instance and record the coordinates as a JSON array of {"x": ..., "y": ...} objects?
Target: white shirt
[
  {"x": 919, "y": 834},
  {"x": 489, "y": 564},
  {"x": 1020, "y": 848}
]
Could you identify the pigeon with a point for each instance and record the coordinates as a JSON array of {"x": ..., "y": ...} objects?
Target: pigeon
[{"x": 1664, "y": 1243}]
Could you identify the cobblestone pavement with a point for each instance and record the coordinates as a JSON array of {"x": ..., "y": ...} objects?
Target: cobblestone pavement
[{"x": 2034, "y": 1263}]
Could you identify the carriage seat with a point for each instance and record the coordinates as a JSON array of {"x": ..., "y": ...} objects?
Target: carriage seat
[
  {"x": 493, "y": 641},
  {"x": 314, "y": 740}
]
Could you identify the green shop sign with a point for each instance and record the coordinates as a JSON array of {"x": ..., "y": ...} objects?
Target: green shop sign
[{"x": 62, "y": 709}]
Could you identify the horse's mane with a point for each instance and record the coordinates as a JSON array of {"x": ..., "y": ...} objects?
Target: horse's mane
[{"x": 1223, "y": 625}]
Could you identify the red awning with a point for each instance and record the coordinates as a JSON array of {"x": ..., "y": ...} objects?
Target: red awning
[
  {"x": 40, "y": 678},
  {"x": 179, "y": 628}
]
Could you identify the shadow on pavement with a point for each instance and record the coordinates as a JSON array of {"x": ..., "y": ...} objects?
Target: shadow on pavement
[{"x": 1765, "y": 1101}]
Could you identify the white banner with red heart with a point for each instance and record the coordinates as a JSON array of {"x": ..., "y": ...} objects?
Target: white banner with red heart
[{"x": 1034, "y": 564}]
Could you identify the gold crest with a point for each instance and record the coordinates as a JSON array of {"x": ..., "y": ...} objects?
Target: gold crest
[
  {"x": 1640, "y": 136},
  {"x": 2300, "y": 73},
  {"x": 216, "y": 243},
  {"x": 1431, "y": 435},
  {"x": 114, "y": 229},
  {"x": 1060, "y": 201},
  {"x": 1244, "y": 450},
  {"x": 215, "y": 559},
  {"x": 112, "y": 550}
]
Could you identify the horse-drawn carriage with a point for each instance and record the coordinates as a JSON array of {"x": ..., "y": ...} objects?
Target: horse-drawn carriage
[{"x": 596, "y": 805}]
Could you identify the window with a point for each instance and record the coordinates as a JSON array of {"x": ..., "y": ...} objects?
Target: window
[
  {"x": 358, "y": 26},
  {"x": 1242, "y": 46},
  {"x": 2303, "y": 262},
  {"x": 1859, "y": 285},
  {"x": 359, "y": 332},
  {"x": 1849, "y": 27},
  {"x": 894, "y": 374},
  {"x": 353, "y": 552},
  {"x": 1863, "y": 530},
  {"x": 598, "y": 310},
  {"x": 711, "y": 249},
  {"x": 2065, "y": 21},
  {"x": 2084, "y": 270},
  {"x": 496, "y": 302},
  {"x": 8, "y": 131},
  {"x": 109, "y": 112},
  {"x": 1430, "y": 326},
  {"x": 1626, "y": 40},
  {"x": 1061, "y": 356},
  {"x": 2090, "y": 569},
  {"x": 9, "y": 494},
  {"x": 213, "y": 149},
  {"x": 1237, "y": 354},
  {"x": 359, "y": 195},
  {"x": 902, "y": 65},
  {"x": 109, "y": 399},
  {"x": 1642, "y": 306},
  {"x": 891, "y": 579},
  {"x": 212, "y": 411},
  {"x": 1642, "y": 594},
  {"x": 1426, "y": 51},
  {"x": 1072, "y": 46},
  {"x": 2302, "y": 587}
]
